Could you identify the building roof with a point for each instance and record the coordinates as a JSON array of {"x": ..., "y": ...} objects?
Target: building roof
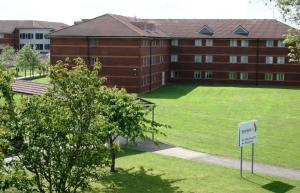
[
  {"x": 110, "y": 25},
  {"x": 8, "y": 26}
]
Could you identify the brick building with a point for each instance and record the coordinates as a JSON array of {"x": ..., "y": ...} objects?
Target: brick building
[
  {"x": 143, "y": 54},
  {"x": 17, "y": 33}
]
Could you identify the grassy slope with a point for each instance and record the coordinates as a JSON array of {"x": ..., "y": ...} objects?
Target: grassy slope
[
  {"x": 205, "y": 118},
  {"x": 148, "y": 172}
]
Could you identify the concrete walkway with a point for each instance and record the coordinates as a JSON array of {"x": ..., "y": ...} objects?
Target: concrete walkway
[{"x": 169, "y": 150}]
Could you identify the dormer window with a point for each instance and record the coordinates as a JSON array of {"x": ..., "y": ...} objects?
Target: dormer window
[
  {"x": 241, "y": 31},
  {"x": 206, "y": 30}
]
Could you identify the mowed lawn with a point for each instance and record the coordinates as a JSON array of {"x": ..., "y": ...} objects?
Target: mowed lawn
[
  {"x": 205, "y": 118},
  {"x": 149, "y": 173}
]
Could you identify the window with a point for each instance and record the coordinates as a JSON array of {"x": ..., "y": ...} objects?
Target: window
[
  {"x": 269, "y": 59},
  {"x": 206, "y": 30},
  {"x": 244, "y": 75},
  {"x": 46, "y": 36},
  {"x": 94, "y": 60},
  {"x": 197, "y": 75},
  {"x": 268, "y": 76},
  {"x": 233, "y": 43},
  {"x": 240, "y": 30},
  {"x": 93, "y": 42},
  {"x": 233, "y": 59},
  {"x": 174, "y": 58},
  {"x": 280, "y": 76},
  {"x": 153, "y": 60},
  {"x": 1, "y": 35},
  {"x": 208, "y": 75},
  {"x": 244, "y": 43},
  {"x": 232, "y": 75},
  {"x": 280, "y": 44},
  {"x": 280, "y": 60},
  {"x": 174, "y": 74},
  {"x": 39, "y": 36},
  {"x": 198, "y": 42},
  {"x": 269, "y": 43},
  {"x": 29, "y": 36},
  {"x": 161, "y": 59},
  {"x": 161, "y": 43},
  {"x": 146, "y": 60},
  {"x": 23, "y": 36},
  {"x": 154, "y": 43},
  {"x": 174, "y": 42},
  {"x": 198, "y": 59},
  {"x": 208, "y": 59},
  {"x": 21, "y": 46},
  {"x": 145, "y": 43},
  {"x": 39, "y": 46},
  {"x": 244, "y": 59},
  {"x": 209, "y": 42},
  {"x": 47, "y": 46}
]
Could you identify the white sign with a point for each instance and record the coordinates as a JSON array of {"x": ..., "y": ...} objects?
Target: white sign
[{"x": 247, "y": 133}]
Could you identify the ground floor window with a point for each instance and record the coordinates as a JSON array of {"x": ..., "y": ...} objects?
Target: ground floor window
[
  {"x": 232, "y": 75},
  {"x": 174, "y": 74},
  {"x": 244, "y": 75},
  {"x": 268, "y": 76},
  {"x": 208, "y": 75},
  {"x": 39, "y": 46},
  {"x": 197, "y": 75},
  {"x": 280, "y": 76}
]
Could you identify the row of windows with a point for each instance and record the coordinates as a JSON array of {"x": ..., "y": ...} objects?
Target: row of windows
[
  {"x": 231, "y": 75},
  {"x": 155, "y": 60},
  {"x": 38, "y": 46},
  {"x": 38, "y": 36},
  {"x": 232, "y": 59},
  {"x": 154, "y": 78},
  {"x": 154, "y": 43},
  {"x": 233, "y": 43}
]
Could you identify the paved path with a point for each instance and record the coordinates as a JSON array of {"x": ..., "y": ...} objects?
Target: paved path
[{"x": 170, "y": 150}]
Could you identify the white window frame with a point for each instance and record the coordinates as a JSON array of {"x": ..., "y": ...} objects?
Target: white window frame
[
  {"x": 244, "y": 59},
  {"x": 232, "y": 59},
  {"x": 245, "y": 43},
  {"x": 197, "y": 75},
  {"x": 233, "y": 43},
  {"x": 280, "y": 76},
  {"x": 174, "y": 58},
  {"x": 209, "y": 42},
  {"x": 232, "y": 75},
  {"x": 209, "y": 59},
  {"x": 174, "y": 42},
  {"x": 269, "y": 60},
  {"x": 208, "y": 75},
  {"x": 197, "y": 59},
  {"x": 280, "y": 60},
  {"x": 198, "y": 42},
  {"x": 1, "y": 35},
  {"x": 269, "y": 43},
  {"x": 280, "y": 44},
  {"x": 268, "y": 76},
  {"x": 244, "y": 76}
]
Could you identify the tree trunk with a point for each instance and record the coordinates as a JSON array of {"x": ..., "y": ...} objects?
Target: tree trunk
[{"x": 113, "y": 155}]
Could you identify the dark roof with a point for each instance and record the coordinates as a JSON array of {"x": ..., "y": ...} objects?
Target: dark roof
[
  {"x": 8, "y": 26},
  {"x": 107, "y": 25},
  {"x": 110, "y": 25}
]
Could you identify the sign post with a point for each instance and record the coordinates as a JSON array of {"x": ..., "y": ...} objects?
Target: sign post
[{"x": 247, "y": 135}]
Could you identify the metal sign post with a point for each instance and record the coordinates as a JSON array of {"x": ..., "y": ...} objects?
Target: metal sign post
[{"x": 247, "y": 135}]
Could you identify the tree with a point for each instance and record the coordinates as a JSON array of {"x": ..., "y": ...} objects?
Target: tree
[
  {"x": 44, "y": 64},
  {"x": 290, "y": 10},
  {"x": 28, "y": 57},
  {"x": 126, "y": 117},
  {"x": 7, "y": 57},
  {"x": 63, "y": 134}
]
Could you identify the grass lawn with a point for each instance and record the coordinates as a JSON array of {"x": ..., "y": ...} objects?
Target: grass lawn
[
  {"x": 45, "y": 79},
  {"x": 149, "y": 173},
  {"x": 205, "y": 118}
]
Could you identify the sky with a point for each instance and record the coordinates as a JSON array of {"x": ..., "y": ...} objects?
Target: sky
[{"x": 68, "y": 11}]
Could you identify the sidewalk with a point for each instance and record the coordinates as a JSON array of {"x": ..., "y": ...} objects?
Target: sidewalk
[{"x": 169, "y": 150}]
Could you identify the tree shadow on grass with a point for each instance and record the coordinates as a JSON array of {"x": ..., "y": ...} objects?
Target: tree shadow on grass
[
  {"x": 140, "y": 180},
  {"x": 272, "y": 186}
]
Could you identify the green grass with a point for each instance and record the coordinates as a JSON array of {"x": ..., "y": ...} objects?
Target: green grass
[
  {"x": 151, "y": 173},
  {"x": 41, "y": 80},
  {"x": 205, "y": 118}
]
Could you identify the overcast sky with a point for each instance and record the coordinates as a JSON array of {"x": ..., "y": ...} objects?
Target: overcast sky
[{"x": 68, "y": 11}]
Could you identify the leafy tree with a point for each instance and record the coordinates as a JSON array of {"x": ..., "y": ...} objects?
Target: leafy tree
[
  {"x": 28, "y": 57},
  {"x": 63, "y": 134},
  {"x": 7, "y": 57},
  {"x": 126, "y": 117},
  {"x": 44, "y": 65}
]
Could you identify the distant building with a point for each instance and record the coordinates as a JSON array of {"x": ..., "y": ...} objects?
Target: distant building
[
  {"x": 17, "y": 33},
  {"x": 143, "y": 54}
]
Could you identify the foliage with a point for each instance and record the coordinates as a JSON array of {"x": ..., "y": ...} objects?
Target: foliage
[
  {"x": 7, "y": 57},
  {"x": 293, "y": 42},
  {"x": 44, "y": 64},
  {"x": 28, "y": 57}
]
